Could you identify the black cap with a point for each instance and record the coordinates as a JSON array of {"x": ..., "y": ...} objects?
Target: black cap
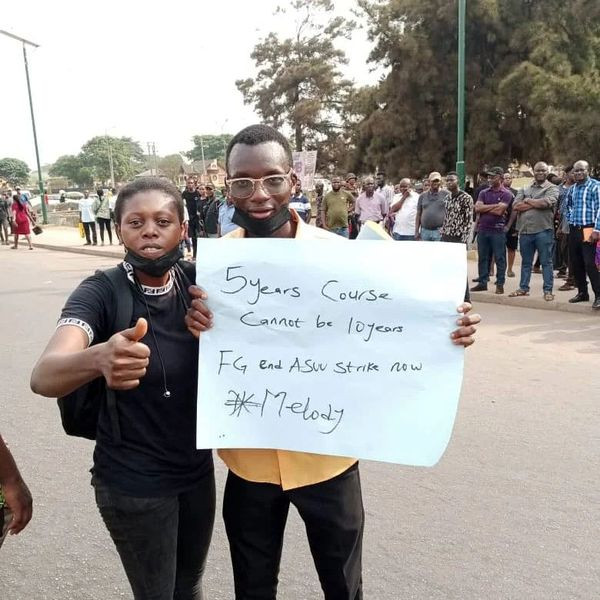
[{"x": 495, "y": 171}]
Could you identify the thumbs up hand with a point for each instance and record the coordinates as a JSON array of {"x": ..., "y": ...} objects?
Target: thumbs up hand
[{"x": 125, "y": 358}]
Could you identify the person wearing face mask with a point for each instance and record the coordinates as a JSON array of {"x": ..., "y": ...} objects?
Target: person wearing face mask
[
  {"x": 262, "y": 484},
  {"x": 154, "y": 490}
]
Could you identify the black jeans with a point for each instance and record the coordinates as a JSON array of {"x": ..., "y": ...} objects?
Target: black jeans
[
  {"x": 163, "y": 542},
  {"x": 193, "y": 227},
  {"x": 255, "y": 515},
  {"x": 583, "y": 261},
  {"x": 90, "y": 228},
  {"x": 104, "y": 224}
]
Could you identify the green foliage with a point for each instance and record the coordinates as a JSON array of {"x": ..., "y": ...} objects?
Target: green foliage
[
  {"x": 127, "y": 157},
  {"x": 72, "y": 168},
  {"x": 15, "y": 171},
  {"x": 170, "y": 165},
  {"x": 214, "y": 147},
  {"x": 92, "y": 164},
  {"x": 299, "y": 82},
  {"x": 533, "y": 89}
]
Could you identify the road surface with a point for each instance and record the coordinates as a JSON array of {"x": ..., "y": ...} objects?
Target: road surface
[{"x": 511, "y": 511}]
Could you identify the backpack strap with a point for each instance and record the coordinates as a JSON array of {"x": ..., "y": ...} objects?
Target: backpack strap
[{"x": 124, "y": 302}]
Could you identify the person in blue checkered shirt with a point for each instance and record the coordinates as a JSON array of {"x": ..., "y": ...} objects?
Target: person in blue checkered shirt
[{"x": 583, "y": 214}]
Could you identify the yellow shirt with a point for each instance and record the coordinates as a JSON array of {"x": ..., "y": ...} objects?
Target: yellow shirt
[{"x": 283, "y": 467}]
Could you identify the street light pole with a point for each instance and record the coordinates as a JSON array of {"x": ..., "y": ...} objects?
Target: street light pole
[
  {"x": 202, "y": 152},
  {"x": 35, "y": 141},
  {"x": 110, "y": 162},
  {"x": 460, "y": 120}
]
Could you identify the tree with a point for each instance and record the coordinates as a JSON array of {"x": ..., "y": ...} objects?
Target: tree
[
  {"x": 559, "y": 77},
  {"x": 73, "y": 168},
  {"x": 413, "y": 130},
  {"x": 127, "y": 157},
  {"x": 214, "y": 147},
  {"x": 170, "y": 165},
  {"x": 299, "y": 83},
  {"x": 15, "y": 171}
]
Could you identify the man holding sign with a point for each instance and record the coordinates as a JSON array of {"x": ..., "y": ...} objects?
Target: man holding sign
[{"x": 263, "y": 482}]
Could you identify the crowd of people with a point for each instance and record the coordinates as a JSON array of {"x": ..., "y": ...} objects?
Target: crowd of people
[
  {"x": 556, "y": 217},
  {"x": 554, "y": 221},
  {"x": 17, "y": 218}
]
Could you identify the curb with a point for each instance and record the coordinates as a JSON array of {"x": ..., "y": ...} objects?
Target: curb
[
  {"x": 75, "y": 250},
  {"x": 535, "y": 303}
]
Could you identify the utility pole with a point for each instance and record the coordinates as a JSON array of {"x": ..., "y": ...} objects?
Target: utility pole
[
  {"x": 110, "y": 163},
  {"x": 155, "y": 159},
  {"x": 148, "y": 146},
  {"x": 202, "y": 152},
  {"x": 460, "y": 119},
  {"x": 35, "y": 142}
]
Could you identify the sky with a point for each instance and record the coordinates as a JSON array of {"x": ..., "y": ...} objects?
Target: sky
[{"x": 155, "y": 71}]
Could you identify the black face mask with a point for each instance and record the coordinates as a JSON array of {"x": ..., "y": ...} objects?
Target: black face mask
[
  {"x": 154, "y": 267},
  {"x": 261, "y": 227}
]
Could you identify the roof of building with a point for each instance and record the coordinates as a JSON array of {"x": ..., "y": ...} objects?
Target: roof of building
[{"x": 198, "y": 166}]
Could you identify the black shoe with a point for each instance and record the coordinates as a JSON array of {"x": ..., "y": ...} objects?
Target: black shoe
[
  {"x": 475, "y": 280},
  {"x": 499, "y": 289},
  {"x": 579, "y": 298},
  {"x": 482, "y": 287},
  {"x": 596, "y": 305}
]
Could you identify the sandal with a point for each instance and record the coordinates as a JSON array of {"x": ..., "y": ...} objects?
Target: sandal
[
  {"x": 517, "y": 293},
  {"x": 548, "y": 297}
]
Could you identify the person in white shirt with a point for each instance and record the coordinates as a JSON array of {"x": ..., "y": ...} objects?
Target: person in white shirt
[
  {"x": 404, "y": 212},
  {"x": 88, "y": 218}
]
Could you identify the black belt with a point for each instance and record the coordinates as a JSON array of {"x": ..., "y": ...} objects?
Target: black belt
[{"x": 583, "y": 226}]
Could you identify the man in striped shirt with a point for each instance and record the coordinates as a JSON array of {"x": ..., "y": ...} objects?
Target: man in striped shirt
[{"x": 583, "y": 213}]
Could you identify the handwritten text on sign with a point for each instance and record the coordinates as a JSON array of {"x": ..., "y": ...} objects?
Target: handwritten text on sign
[{"x": 331, "y": 347}]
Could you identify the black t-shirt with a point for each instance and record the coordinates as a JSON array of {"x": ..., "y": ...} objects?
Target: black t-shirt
[
  {"x": 192, "y": 203},
  {"x": 157, "y": 455}
]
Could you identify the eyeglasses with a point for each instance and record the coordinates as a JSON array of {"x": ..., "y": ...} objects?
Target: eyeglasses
[{"x": 244, "y": 187}]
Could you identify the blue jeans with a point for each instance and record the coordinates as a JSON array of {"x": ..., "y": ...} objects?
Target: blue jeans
[
  {"x": 163, "y": 541},
  {"x": 491, "y": 243},
  {"x": 430, "y": 235},
  {"x": 403, "y": 238},
  {"x": 543, "y": 242},
  {"x": 343, "y": 231}
]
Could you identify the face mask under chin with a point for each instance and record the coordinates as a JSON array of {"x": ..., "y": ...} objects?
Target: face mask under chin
[
  {"x": 261, "y": 227},
  {"x": 154, "y": 267}
]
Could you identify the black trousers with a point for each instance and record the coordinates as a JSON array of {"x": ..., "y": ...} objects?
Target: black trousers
[
  {"x": 104, "y": 224},
  {"x": 90, "y": 228},
  {"x": 193, "y": 226},
  {"x": 163, "y": 541},
  {"x": 255, "y": 515},
  {"x": 582, "y": 256}
]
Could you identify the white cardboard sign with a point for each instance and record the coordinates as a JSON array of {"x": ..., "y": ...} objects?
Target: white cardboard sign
[{"x": 338, "y": 348}]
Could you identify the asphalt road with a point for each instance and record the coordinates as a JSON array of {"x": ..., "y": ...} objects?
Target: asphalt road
[{"x": 511, "y": 511}]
